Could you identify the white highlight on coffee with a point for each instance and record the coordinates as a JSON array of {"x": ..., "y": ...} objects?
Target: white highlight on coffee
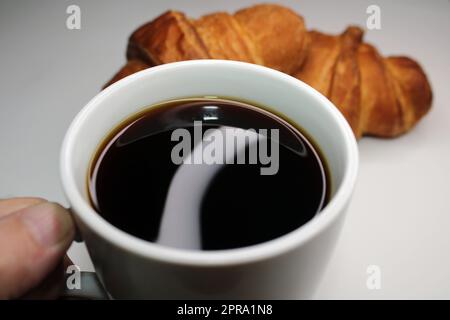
[
  {"x": 180, "y": 221},
  {"x": 219, "y": 147}
]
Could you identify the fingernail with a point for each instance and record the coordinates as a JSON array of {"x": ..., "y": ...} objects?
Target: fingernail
[{"x": 49, "y": 223}]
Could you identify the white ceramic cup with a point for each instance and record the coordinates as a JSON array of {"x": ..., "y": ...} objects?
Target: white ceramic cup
[{"x": 287, "y": 267}]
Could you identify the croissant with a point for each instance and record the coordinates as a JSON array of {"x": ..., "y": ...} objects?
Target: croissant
[{"x": 378, "y": 96}]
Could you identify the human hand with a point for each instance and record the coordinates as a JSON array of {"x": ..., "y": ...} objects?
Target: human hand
[{"x": 34, "y": 237}]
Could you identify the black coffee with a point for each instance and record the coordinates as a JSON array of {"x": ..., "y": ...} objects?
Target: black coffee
[{"x": 220, "y": 196}]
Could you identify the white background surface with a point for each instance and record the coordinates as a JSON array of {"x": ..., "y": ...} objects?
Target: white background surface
[{"x": 400, "y": 215}]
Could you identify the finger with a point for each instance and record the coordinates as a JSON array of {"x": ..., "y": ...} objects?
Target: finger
[
  {"x": 11, "y": 205},
  {"x": 52, "y": 287},
  {"x": 32, "y": 242}
]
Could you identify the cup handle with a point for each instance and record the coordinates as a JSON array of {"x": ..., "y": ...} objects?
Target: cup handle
[
  {"x": 78, "y": 238},
  {"x": 90, "y": 286}
]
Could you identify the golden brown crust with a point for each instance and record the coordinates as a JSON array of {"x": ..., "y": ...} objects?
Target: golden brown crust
[
  {"x": 345, "y": 86},
  {"x": 412, "y": 89},
  {"x": 317, "y": 70},
  {"x": 223, "y": 38},
  {"x": 380, "y": 115},
  {"x": 278, "y": 34},
  {"x": 378, "y": 96},
  {"x": 169, "y": 38},
  {"x": 331, "y": 67}
]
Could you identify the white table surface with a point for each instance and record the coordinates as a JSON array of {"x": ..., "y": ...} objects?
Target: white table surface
[{"x": 400, "y": 215}]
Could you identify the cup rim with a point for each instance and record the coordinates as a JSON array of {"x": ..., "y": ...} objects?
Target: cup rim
[{"x": 253, "y": 253}]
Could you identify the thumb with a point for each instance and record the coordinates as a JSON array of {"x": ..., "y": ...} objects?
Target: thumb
[{"x": 33, "y": 241}]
